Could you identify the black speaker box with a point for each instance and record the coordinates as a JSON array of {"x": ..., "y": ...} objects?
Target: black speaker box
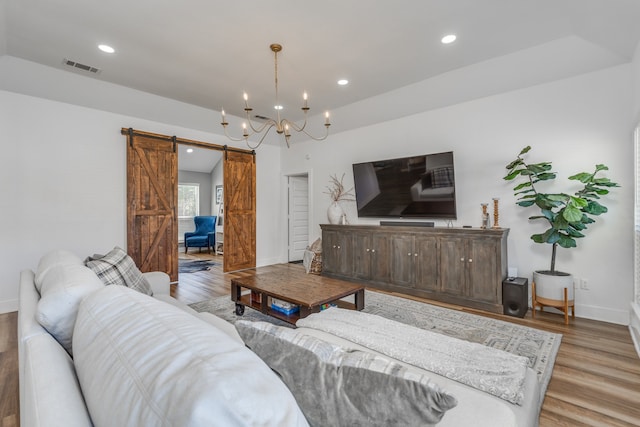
[{"x": 515, "y": 296}]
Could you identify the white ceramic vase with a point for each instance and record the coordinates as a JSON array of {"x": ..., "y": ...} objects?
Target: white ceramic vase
[{"x": 334, "y": 213}]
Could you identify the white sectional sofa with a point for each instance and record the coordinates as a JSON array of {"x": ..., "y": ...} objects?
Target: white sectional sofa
[{"x": 137, "y": 360}]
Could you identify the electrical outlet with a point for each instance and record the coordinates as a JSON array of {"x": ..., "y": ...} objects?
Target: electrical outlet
[{"x": 584, "y": 284}]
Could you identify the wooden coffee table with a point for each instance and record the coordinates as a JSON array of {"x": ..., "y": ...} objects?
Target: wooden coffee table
[{"x": 308, "y": 291}]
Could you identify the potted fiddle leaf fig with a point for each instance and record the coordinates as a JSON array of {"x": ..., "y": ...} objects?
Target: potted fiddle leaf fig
[{"x": 565, "y": 216}]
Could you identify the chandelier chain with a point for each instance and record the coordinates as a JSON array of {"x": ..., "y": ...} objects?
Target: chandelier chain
[{"x": 277, "y": 106}]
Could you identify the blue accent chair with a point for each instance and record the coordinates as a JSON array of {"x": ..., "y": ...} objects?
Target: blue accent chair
[{"x": 204, "y": 236}]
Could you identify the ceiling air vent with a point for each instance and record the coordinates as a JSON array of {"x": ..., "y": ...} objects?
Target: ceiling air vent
[{"x": 80, "y": 66}]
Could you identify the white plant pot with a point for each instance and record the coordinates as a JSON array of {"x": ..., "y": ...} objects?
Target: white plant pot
[
  {"x": 334, "y": 213},
  {"x": 551, "y": 287}
]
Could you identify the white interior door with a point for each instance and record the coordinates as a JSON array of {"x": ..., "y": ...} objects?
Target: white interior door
[{"x": 298, "y": 216}]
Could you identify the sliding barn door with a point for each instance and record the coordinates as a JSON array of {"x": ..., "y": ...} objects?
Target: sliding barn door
[
  {"x": 152, "y": 192},
  {"x": 240, "y": 211}
]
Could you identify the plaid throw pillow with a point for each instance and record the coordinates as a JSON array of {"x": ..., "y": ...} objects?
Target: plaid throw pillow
[
  {"x": 442, "y": 177},
  {"x": 117, "y": 268}
]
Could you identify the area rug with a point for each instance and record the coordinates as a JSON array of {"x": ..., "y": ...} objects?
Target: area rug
[
  {"x": 193, "y": 265},
  {"x": 539, "y": 347}
]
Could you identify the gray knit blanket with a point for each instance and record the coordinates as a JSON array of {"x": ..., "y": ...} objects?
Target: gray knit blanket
[{"x": 488, "y": 369}]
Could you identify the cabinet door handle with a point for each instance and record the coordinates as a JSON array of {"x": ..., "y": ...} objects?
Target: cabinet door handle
[
  {"x": 367, "y": 249},
  {"x": 415, "y": 254},
  {"x": 373, "y": 250},
  {"x": 409, "y": 254},
  {"x": 334, "y": 246},
  {"x": 338, "y": 246},
  {"x": 462, "y": 259},
  {"x": 470, "y": 260}
]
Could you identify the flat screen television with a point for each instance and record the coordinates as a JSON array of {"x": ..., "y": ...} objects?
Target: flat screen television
[{"x": 408, "y": 187}]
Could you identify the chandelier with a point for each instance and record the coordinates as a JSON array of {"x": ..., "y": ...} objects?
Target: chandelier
[{"x": 281, "y": 125}]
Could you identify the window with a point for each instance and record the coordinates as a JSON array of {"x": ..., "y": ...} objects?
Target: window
[{"x": 188, "y": 200}]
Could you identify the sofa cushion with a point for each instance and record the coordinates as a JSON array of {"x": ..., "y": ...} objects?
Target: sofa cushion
[
  {"x": 142, "y": 362},
  {"x": 49, "y": 386},
  {"x": 63, "y": 288},
  {"x": 54, "y": 258},
  {"x": 118, "y": 268},
  {"x": 159, "y": 281},
  {"x": 337, "y": 386}
]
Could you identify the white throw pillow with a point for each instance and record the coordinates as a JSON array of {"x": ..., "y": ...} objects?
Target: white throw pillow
[
  {"x": 143, "y": 362},
  {"x": 54, "y": 258},
  {"x": 63, "y": 288}
]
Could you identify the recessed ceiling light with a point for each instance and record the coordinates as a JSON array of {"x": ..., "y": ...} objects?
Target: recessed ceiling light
[
  {"x": 343, "y": 82},
  {"x": 278, "y": 107},
  {"x": 450, "y": 38},
  {"x": 106, "y": 48},
  {"x": 189, "y": 150}
]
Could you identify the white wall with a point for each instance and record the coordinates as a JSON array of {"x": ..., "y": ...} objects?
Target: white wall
[
  {"x": 575, "y": 122},
  {"x": 63, "y": 182},
  {"x": 634, "y": 325},
  {"x": 635, "y": 66}
]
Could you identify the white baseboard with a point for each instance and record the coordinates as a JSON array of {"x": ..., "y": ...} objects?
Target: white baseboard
[
  {"x": 634, "y": 325},
  {"x": 619, "y": 317},
  {"x": 269, "y": 261},
  {"x": 8, "y": 306}
]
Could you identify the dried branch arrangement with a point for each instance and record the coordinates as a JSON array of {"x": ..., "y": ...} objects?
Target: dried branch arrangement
[{"x": 336, "y": 190}]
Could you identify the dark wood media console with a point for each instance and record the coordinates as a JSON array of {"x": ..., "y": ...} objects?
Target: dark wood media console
[{"x": 464, "y": 266}]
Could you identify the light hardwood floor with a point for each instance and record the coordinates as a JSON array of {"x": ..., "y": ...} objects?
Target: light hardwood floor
[{"x": 595, "y": 382}]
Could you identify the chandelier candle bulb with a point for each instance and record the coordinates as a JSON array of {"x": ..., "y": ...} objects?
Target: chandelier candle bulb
[
  {"x": 326, "y": 121},
  {"x": 246, "y": 102}
]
